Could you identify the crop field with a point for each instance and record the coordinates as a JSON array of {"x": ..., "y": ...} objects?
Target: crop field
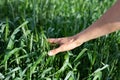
[{"x": 25, "y": 26}]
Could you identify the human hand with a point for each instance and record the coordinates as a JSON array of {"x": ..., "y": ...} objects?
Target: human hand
[{"x": 65, "y": 44}]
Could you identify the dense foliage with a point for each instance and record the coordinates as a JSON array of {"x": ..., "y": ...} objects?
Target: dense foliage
[{"x": 25, "y": 26}]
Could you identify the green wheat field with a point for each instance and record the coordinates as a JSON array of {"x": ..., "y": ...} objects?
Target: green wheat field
[{"x": 25, "y": 26}]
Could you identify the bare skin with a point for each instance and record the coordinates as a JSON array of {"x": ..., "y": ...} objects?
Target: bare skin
[{"x": 108, "y": 23}]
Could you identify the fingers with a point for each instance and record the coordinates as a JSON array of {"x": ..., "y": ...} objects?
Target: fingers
[
  {"x": 57, "y": 50},
  {"x": 55, "y": 40},
  {"x": 62, "y": 48}
]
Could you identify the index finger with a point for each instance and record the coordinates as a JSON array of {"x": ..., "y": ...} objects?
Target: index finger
[{"x": 54, "y": 40}]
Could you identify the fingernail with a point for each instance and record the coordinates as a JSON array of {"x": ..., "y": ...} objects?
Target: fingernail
[{"x": 50, "y": 53}]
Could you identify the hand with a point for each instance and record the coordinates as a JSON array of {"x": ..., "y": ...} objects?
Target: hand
[{"x": 65, "y": 44}]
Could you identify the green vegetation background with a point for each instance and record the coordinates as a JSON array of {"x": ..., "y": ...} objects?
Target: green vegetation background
[{"x": 25, "y": 26}]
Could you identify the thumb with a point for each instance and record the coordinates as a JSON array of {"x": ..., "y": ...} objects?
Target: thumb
[{"x": 54, "y": 51}]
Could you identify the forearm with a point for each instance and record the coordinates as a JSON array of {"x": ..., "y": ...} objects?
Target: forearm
[{"x": 108, "y": 23}]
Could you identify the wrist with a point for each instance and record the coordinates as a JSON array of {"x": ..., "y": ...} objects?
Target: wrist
[{"x": 79, "y": 38}]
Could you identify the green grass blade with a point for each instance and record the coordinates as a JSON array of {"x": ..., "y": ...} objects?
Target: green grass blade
[
  {"x": 12, "y": 37},
  {"x": 10, "y": 53},
  {"x": 80, "y": 54}
]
